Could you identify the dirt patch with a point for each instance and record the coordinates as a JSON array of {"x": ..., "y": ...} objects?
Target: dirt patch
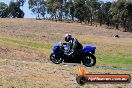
[
  {"x": 21, "y": 54},
  {"x": 37, "y": 28},
  {"x": 31, "y": 74}
]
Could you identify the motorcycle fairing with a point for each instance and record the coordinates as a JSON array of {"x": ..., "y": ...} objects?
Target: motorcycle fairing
[
  {"x": 56, "y": 49},
  {"x": 88, "y": 49}
]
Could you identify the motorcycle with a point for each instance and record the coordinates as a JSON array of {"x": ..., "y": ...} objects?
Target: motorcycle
[{"x": 60, "y": 53}]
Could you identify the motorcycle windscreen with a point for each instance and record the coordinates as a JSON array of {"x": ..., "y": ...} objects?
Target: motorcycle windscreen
[{"x": 88, "y": 49}]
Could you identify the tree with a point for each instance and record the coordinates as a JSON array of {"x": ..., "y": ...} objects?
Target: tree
[
  {"x": 38, "y": 7},
  {"x": 127, "y": 17},
  {"x": 81, "y": 10},
  {"x": 69, "y": 8},
  {"x": 50, "y": 8},
  {"x": 60, "y": 8},
  {"x": 4, "y": 10},
  {"x": 55, "y": 8},
  {"x": 106, "y": 7},
  {"x": 21, "y": 2},
  {"x": 117, "y": 14},
  {"x": 122, "y": 14},
  {"x": 92, "y": 6},
  {"x": 15, "y": 11}
]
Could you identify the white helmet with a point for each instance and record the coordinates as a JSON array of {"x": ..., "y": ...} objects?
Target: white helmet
[{"x": 68, "y": 37}]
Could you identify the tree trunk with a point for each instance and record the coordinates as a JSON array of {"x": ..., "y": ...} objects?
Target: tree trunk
[
  {"x": 117, "y": 26},
  {"x": 124, "y": 25},
  {"x": 72, "y": 18},
  {"x": 91, "y": 20}
]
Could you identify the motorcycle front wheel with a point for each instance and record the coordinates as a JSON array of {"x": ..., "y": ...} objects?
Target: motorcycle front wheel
[
  {"x": 89, "y": 60},
  {"x": 55, "y": 59}
]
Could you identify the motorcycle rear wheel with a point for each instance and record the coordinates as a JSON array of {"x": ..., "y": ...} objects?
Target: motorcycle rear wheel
[{"x": 89, "y": 60}]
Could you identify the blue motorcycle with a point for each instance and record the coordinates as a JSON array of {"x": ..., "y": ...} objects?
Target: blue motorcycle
[{"x": 60, "y": 53}]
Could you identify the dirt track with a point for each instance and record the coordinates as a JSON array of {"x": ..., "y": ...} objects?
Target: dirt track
[{"x": 40, "y": 75}]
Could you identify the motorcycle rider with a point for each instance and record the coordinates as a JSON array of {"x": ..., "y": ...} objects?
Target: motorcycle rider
[{"x": 73, "y": 43}]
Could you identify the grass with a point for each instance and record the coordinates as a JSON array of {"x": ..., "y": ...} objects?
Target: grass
[
  {"x": 26, "y": 44},
  {"x": 114, "y": 56},
  {"x": 117, "y": 53},
  {"x": 115, "y": 60},
  {"x": 109, "y": 55}
]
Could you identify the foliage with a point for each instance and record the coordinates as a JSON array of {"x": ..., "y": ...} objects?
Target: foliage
[
  {"x": 3, "y": 10},
  {"x": 21, "y": 2},
  {"x": 81, "y": 10},
  {"x": 11, "y": 11},
  {"x": 122, "y": 11},
  {"x": 55, "y": 8},
  {"x": 15, "y": 11},
  {"x": 38, "y": 7}
]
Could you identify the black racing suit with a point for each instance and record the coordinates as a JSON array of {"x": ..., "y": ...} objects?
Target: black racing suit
[{"x": 75, "y": 46}]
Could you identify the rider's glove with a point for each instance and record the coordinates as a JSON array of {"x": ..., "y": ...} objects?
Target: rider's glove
[{"x": 71, "y": 52}]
